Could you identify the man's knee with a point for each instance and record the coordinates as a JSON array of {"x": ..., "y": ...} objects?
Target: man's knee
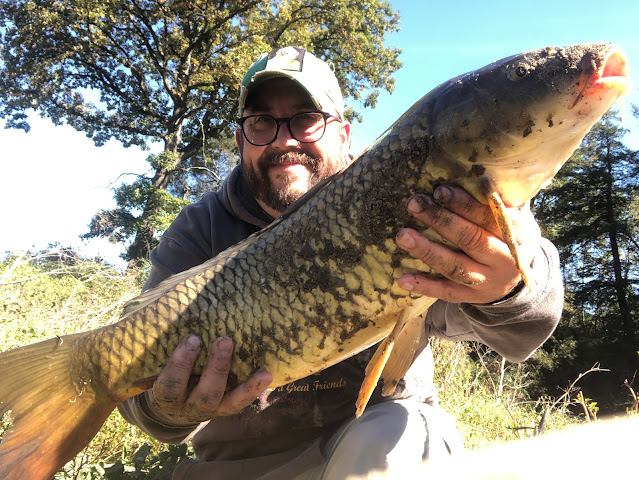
[
  {"x": 382, "y": 423},
  {"x": 395, "y": 435}
]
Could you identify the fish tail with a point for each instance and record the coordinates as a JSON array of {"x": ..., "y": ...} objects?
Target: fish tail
[{"x": 52, "y": 410}]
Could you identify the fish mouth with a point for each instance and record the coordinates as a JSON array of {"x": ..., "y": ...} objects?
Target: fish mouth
[{"x": 611, "y": 74}]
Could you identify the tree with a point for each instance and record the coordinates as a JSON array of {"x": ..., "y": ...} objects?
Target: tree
[
  {"x": 143, "y": 71},
  {"x": 590, "y": 213}
]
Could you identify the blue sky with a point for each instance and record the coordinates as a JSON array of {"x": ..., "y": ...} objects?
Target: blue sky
[
  {"x": 440, "y": 40},
  {"x": 54, "y": 179}
]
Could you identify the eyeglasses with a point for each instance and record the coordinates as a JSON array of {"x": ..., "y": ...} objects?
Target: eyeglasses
[{"x": 305, "y": 127}]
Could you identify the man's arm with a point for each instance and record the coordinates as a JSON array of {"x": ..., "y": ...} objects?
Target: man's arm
[{"x": 514, "y": 326}]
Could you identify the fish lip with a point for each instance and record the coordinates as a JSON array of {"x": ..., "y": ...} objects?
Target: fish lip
[
  {"x": 611, "y": 74},
  {"x": 616, "y": 65},
  {"x": 615, "y": 73}
]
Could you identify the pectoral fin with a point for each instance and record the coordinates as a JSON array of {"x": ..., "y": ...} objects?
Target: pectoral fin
[
  {"x": 403, "y": 355},
  {"x": 505, "y": 225},
  {"x": 402, "y": 343}
]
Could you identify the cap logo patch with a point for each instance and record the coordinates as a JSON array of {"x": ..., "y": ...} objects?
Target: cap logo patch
[{"x": 289, "y": 58}]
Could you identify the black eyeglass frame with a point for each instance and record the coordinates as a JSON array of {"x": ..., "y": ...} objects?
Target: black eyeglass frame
[{"x": 279, "y": 121}]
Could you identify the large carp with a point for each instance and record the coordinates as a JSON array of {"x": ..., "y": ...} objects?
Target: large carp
[{"x": 319, "y": 284}]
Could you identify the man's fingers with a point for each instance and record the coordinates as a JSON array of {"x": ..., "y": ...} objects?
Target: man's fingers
[
  {"x": 469, "y": 237},
  {"x": 438, "y": 287},
  {"x": 462, "y": 203},
  {"x": 172, "y": 383},
  {"x": 241, "y": 397},
  {"x": 208, "y": 393},
  {"x": 453, "y": 265},
  {"x": 210, "y": 397},
  {"x": 479, "y": 268}
]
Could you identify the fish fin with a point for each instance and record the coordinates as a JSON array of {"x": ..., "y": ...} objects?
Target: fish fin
[
  {"x": 403, "y": 354},
  {"x": 506, "y": 227},
  {"x": 53, "y": 414},
  {"x": 373, "y": 372},
  {"x": 381, "y": 357},
  {"x": 143, "y": 384}
]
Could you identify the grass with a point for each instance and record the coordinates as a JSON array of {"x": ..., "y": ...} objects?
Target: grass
[
  {"x": 42, "y": 296},
  {"x": 488, "y": 396}
]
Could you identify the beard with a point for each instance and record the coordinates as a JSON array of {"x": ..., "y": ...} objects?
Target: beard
[{"x": 280, "y": 199}]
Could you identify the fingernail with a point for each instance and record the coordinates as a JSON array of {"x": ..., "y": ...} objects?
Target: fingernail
[
  {"x": 443, "y": 194},
  {"x": 224, "y": 347},
  {"x": 419, "y": 203},
  {"x": 406, "y": 284},
  {"x": 414, "y": 206},
  {"x": 192, "y": 342},
  {"x": 405, "y": 239}
]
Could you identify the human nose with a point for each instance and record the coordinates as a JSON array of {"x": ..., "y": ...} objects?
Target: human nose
[{"x": 284, "y": 137}]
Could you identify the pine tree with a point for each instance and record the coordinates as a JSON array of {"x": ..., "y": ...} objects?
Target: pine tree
[{"x": 590, "y": 213}]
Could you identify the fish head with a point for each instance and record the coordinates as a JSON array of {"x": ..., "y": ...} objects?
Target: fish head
[{"x": 517, "y": 120}]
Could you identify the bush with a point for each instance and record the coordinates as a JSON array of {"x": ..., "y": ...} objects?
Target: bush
[
  {"x": 56, "y": 293},
  {"x": 488, "y": 396}
]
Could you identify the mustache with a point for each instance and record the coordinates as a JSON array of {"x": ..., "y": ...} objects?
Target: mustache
[{"x": 275, "y": 159}]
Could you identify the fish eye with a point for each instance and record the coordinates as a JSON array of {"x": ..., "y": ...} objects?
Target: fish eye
[{"x": 519, "y": 71}]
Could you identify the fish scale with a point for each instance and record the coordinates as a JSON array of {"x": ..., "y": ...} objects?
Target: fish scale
[{"x": 320, "y": 284}]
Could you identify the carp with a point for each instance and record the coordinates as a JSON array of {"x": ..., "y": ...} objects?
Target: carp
[{"x": 319, "y": 284}]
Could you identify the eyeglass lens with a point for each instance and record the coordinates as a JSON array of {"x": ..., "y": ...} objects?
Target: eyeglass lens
[{"x": 306, "y": 127}]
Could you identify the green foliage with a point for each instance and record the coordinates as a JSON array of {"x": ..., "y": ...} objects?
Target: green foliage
[
  {"x": 207, "y": 169},
  {"x": 490, "y": 398},
  {"x": 146, "y": 71},
  {"x": 590, "y": 213},
  {"x": 205, "y": 173},
  {"x": 167, "y": 161},
  {"x": 146, "y": 463},
  {"x": 124, "y": 221},
  {"x": 54, "y": 293}
]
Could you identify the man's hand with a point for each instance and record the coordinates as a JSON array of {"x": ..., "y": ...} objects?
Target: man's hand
[
  {"x": 484, "y": 270},
  {"x": 209, "y": 398}
]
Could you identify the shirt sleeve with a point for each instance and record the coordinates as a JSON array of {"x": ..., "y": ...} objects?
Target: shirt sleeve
[
  {"x": 137, "y": 411},
  {"x": 515, "y": 326}
]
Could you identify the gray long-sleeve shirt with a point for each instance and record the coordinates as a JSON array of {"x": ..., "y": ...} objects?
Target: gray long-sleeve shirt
[{"x": 313, "y": 407}]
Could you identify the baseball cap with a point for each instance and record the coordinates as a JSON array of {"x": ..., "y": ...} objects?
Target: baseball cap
[{"x": 312, "y": 74}]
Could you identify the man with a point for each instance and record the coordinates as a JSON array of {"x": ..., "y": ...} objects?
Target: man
[{"x": 291, "y": 135}]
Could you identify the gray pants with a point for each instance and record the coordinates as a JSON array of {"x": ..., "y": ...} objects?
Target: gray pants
[{"x": 392, "y": 438}]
